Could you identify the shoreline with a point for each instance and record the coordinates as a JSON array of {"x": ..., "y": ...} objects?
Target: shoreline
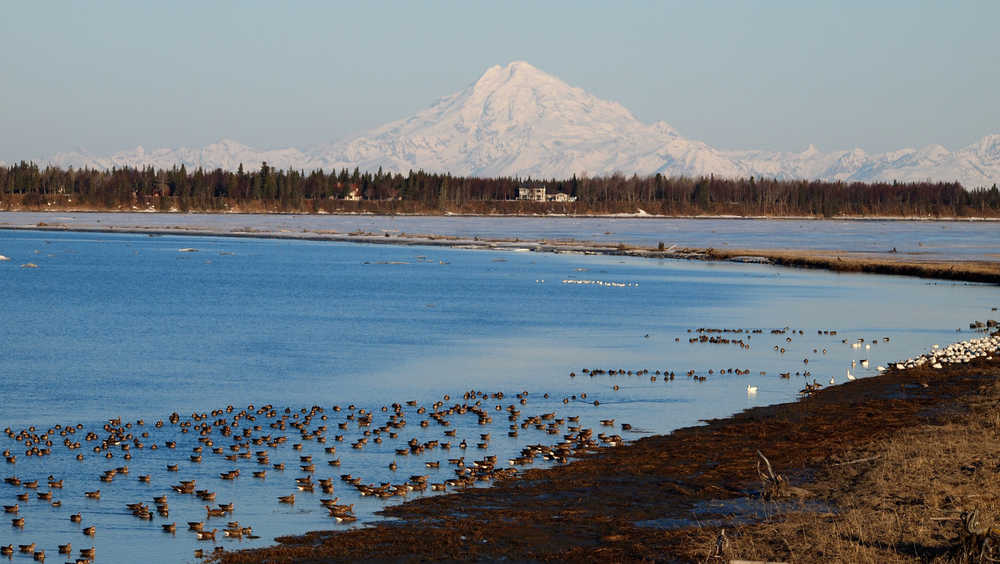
[
  {"x": 846, "y": 456},
  {"x": 987, "y": 272},
  {"x": 635, "y": 215}
]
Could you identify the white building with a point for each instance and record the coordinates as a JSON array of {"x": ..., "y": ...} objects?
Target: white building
[{"x": 532, "y": 194}]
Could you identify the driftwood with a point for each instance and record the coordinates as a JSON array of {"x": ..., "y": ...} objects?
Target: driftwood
[
  {"x": 774, "y": 486},
  {"x": 858, "y": 460},
  {"x": 979, "y": 540}
]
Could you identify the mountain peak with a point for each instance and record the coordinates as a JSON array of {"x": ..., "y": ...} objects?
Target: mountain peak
[
  {"x": 517, "y": 75},
  {"x": 517, "y": 120}
]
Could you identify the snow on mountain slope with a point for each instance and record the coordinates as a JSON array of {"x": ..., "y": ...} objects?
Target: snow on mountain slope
[
  {"x": 225, "y": 154},
  {"x": 519, "y": 121}
]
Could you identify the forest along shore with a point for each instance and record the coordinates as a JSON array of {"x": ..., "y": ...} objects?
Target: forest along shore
[
  {"x": 883, "y": 469},
  {"x": 960, "y": 269}
]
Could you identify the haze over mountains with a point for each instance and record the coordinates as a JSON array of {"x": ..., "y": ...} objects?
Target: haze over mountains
[{"x": 519, "y": 121}]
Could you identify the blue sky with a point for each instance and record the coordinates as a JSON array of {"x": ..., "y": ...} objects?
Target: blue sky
[{"x": 106, "y": 76}]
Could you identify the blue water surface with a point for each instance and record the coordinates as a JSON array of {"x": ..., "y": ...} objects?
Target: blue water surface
[{"x": 122, "y": 325}]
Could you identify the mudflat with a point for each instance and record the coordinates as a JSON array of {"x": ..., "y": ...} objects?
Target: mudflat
[{"x": 881, "y": 469}]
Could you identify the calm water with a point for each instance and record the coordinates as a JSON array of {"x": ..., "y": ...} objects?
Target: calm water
[
  {"x": 127, "y": 326},
  {"x": 918, "y": 240}
]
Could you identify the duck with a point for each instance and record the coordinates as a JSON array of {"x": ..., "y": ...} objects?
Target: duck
[
  {"x": 7, "y": 550},
  {"x": 206, "y": 535},
  {"x": 66, "y": 548},
  {"x": 169, "y": 527},
  {"x": 76, "y": 518},
  {"x": 90, "y": 531}
]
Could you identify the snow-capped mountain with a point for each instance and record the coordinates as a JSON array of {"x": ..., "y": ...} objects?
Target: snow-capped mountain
[
  {"x": 519, "y": 121},
  {"x": 225, "y": 154}
]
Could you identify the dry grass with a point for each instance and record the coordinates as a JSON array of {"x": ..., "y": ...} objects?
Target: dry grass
[
  {"x": 986, "y": 271},
  {"x": 901, "y": 507}
]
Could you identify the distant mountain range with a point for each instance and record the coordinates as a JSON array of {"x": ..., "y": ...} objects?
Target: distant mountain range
[{"x": 519, "y": 121}]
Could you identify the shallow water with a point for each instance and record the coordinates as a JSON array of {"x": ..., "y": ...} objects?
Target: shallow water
[
  {"x": 917, "y": 240},
  {"x": 113, "y": 325}
]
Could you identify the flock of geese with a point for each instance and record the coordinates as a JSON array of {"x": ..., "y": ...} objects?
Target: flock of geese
[
  {"x": 247, "y": 439},
  {"x": 742, "y": 338}
]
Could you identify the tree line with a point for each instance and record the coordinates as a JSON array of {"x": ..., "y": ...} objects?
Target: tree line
[{"x": 26, "y": 186}]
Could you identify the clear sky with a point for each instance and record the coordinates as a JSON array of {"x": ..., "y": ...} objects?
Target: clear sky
[{"x": 106, "y": 76}]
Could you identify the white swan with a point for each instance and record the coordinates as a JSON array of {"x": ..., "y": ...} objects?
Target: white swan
[
  {"x": 849, "y": 375},
  {"x": 751, "y": 389}
]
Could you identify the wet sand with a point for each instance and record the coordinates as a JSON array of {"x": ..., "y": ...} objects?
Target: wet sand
[{"x": 669, "y": 497}]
